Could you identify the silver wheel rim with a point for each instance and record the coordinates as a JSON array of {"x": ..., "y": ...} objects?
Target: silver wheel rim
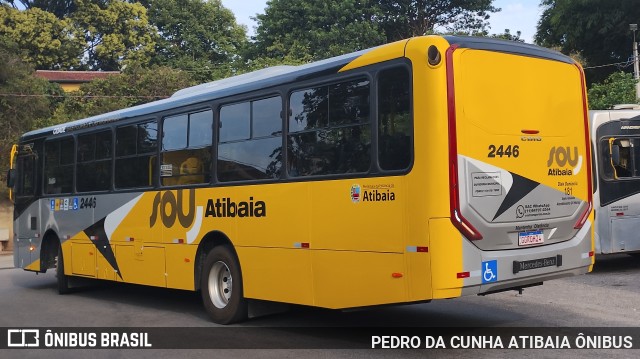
[{"x": 220, "y": 284}]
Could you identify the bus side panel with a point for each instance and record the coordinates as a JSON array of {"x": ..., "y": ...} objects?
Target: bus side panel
[
  {"x": 373, "y": 221},
  {"x": 446, "y": 258},
  {"x": 346, "y": 279},
  {"x": 277, "y": 274},
  {"x": 180, "y": 265}
]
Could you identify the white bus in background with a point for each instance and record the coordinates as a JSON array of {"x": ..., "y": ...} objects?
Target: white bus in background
[{"x": 615, "y": 136}]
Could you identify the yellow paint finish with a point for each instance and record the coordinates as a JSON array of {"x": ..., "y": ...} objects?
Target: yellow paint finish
[
  {"x": 283, "y": 224},
  {"x": 376, "y": 55},
  {"x": 446, "y": 258},
  {"x": 429, "y": 175},
  {"x": 34, "y": 266},
  {"x": 354, "y": 279},
  {"x": 83, "y": 259},
  {"x": 180, "y": 259},
  {"x": 141, "y": 265},
  {"x": 136, "y": 224},
  {"x": 104, "y": 270},
  {"x": 529, "y": 94},
  {"x": 277, "y": 274},
  {"x": 338, "y": 223}
]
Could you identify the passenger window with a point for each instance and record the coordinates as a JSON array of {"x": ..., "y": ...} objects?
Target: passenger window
[
  {"x": 395, "y": 142},
  {"x": 329, "y": 130},
  {"x": 136, "y": 155},
  {"x": 251, "y": 149},
  {"x": 93, "y": 172},
  {"x": 620, "y": 157},
  {"x": 186, "y": 149},
  {"x": 58, "y": 168}
]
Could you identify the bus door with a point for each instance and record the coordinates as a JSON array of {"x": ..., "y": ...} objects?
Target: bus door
[
  {"x": 621, "y": 168},
  {"x": 27, "y": 214}
]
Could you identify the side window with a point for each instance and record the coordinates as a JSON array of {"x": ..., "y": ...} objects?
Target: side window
[
  {"x": 186, "y": 148},
  {"x": 394, "y": 119},
  {"x": 250, "y": 143},
  {"x": 620, "y": 157},
  {"x": 93, "y": 171},
  {"x": 136, "y": 155},
  {"x": 330, "y": 130},
  {"x": 58, "y": 166},
  {"x": 25, "y": 184}
]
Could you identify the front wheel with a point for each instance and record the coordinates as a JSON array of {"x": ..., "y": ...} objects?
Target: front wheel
[
  {"x": 221, "y": 287},
  {"x": 63, "y": 280}
]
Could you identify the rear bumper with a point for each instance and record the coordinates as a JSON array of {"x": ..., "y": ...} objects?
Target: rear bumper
[{"x": 492, "y": 271}]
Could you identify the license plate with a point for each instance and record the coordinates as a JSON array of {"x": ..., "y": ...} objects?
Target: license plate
[{"x": 529, "y": 238}]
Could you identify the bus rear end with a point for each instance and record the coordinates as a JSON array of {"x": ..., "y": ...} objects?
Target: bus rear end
[{"x": 519, "y": 163}]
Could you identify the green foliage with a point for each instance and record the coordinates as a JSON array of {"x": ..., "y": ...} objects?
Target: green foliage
[
  {"x": 618, "y": 88},
  {"x": 597, "y": 29},
  {"x": 116, "y": 34},
  {"x": 94, "y": 36},
  {"x": 402, "y": 19},
  {"x": 300, "y": 29},
  {"x": 135, "y": 86},
  {"x": 46, "y": 41},
  {"x": 507, "y": 35},
  {"x": 197, "y": 36},
  {"x": 24, "y": 99}
]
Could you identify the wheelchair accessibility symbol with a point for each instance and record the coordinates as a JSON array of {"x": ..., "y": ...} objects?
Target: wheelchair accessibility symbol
[{"x": 489, "y": 271}]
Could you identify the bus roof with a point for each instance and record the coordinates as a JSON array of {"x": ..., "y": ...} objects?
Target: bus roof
[
  {"x": 235, "y": 85},
  {"x": 274, "y": 76}
]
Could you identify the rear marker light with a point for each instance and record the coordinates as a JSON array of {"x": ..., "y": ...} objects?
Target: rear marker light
[
  {"x": 178, "y": 241},
  {"x": 129, "y": 239},
  {"x": 463, "y": 275},
  {"x": 301, "y": 245},
  {"x": 93, "y": 238},
  {"x": 396, "y": 275},
  {"x": 592, "y": 253},
  {"x": 530, "y": 132},
  {"x": 620, "y": 214}
]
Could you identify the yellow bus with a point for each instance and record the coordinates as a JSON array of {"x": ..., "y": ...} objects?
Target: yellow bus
[{"x": 428, "y": 168}]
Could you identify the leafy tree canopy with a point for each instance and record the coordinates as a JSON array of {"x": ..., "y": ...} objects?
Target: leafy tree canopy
[
  {"x": 199, "y": 36},
  {"x": 24, "y": 99},
  {"x": 597, "y": 29},
  {"x": 618, "y": 88},
  {"x": 95, "y": 36},
  {"x": 321, "y": 29},
  {"x": 135, "y": 86}
]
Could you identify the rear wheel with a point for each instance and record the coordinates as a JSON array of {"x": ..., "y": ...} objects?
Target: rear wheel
[
  {"x": 221, "y": 287},
  {"x": 63, "y": 280}
]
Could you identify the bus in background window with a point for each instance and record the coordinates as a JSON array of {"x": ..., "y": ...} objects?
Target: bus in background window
[
  {"x": 616, "y": 142},
  {"x": 424, "y": 169}
]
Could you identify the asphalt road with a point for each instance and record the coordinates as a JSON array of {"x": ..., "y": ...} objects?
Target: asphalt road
[{"x": 607, "y": 297}]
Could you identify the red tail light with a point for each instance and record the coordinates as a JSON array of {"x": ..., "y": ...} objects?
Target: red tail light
[
  {"x": 585, "y": 215},
  {"x": 456, "y": 216}
]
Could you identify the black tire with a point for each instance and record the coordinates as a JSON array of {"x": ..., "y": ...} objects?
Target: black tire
[
  {"x": 63, "y": 280},
  {"x": 221, "y": 287}
]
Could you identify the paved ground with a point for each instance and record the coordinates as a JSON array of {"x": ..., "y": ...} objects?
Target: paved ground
[{"x": 6, "y": 260}]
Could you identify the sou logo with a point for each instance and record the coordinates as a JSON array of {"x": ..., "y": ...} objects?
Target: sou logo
[
  {"x": 169, "y": 208},
  {"x": 561, "y": 157}
]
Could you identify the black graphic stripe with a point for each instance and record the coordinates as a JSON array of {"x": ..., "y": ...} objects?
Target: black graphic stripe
[
  {"x": 520, "y": 188},
  {"x": 102, "y": 243}
]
